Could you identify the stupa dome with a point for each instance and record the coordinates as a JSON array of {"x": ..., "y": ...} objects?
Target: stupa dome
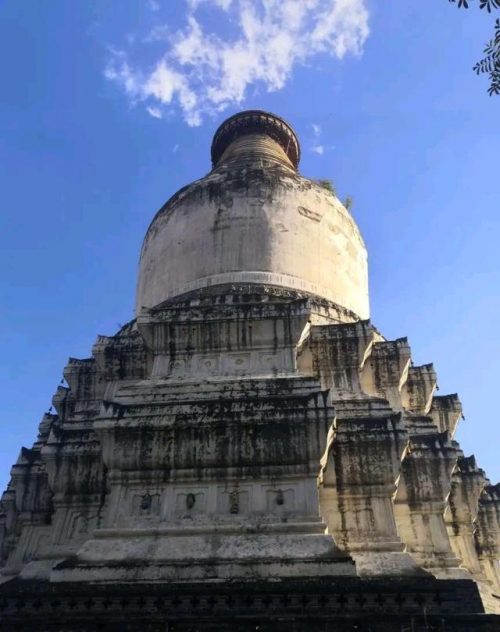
[{"x": 254, "y": 220}]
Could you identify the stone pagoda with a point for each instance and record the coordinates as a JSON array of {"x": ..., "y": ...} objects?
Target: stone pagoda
[{"x": 250, "y": 452}]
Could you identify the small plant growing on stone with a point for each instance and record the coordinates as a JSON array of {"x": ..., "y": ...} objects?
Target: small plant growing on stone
[{"x": 328, "y": 185}]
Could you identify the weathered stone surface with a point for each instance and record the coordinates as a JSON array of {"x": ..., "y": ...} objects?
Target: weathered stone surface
[
  {"x": 420, "y": 500},
  {"x": 467, "y": 485},
  {"x": 359, "y": 481},
  {"x": 487, "y": 536},
  {"x": 214, "y": 459},
  {"x": 419, "y": 389},
  {"x": 338, "y": 354},
  {"x": 254, "y": 219},
  {"x": 446, "y": 412},
  {"x": 385, "y": 372}
]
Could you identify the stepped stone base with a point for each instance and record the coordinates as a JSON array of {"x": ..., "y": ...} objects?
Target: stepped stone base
[{"x": 216, "y": 570}]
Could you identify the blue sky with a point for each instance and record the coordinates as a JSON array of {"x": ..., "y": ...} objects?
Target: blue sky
[{"x": 108, "y": 107}]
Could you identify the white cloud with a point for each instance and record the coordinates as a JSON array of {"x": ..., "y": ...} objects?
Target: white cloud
[
  {"x": 154, "y": 111},
  {"x": 222, "y": 4},
  {"x": 202, "y": 73},
  {"x": 119, "y": 70},
  {"x": 317, "y": 147}
]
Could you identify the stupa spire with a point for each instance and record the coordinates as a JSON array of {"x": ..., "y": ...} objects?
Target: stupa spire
[{"x": 255, "y": 133}]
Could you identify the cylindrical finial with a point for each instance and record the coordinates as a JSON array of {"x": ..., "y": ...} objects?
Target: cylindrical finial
[{"x": 256, "y": 122}]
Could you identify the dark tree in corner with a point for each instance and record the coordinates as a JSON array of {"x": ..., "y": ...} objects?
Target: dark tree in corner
[{"x": 490, "y": 63}]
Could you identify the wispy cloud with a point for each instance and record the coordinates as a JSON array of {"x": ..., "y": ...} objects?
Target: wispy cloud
[
  {"x": 154, "y": 111},
  {"x": 317, "y": 147},
  {"x": 202, "y": 73},
  {"x": 222, "y": 4}
]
